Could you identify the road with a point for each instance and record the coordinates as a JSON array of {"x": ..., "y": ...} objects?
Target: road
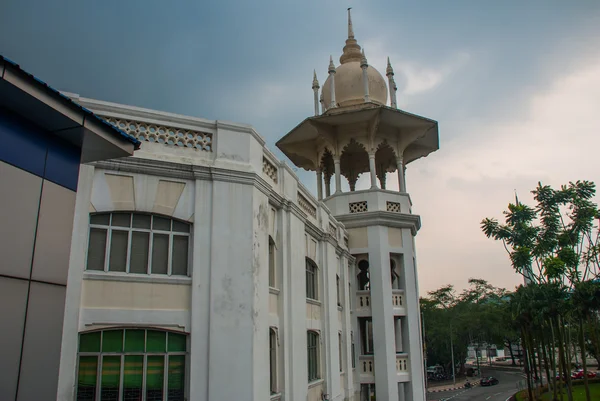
[{"x": 500, "y": 392}]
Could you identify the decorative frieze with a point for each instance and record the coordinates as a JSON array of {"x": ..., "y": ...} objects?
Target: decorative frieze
[
  {"x": 358, "y": 207},
  {"x": 269, "y": 170},
  {"x": 393, "y": 207},
  {"x": 306, "y": 205},
  {"x": 147, "y": 132},
  {"x": 333, "y": 230}
]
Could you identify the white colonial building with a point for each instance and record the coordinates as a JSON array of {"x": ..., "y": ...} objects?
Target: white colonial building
[{"x": 202, "y": 269}]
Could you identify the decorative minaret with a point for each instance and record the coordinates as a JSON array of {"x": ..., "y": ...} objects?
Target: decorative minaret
[
  {"x": 332, "y": 83},
  {"x": 365, "y": 76},
  {"x": 315, "y": 87},
  {"x": 385, "y": 318},
  {"x": 391, "y": 84}
]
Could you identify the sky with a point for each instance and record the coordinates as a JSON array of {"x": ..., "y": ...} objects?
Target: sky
[{"x": 514, "y": 86}]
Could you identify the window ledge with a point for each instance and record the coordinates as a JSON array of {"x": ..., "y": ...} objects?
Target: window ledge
[
  {"x": 275, "y": 397},
  {"x": 315, "y": 383},
  {"x": 273, "y": 290},
  {"x": 136, "y": 278},
  {"x": 313, "y": 301}
]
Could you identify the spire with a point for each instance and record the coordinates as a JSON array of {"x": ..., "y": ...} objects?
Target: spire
[
  {"x": 352, "y": 49},
  {"x": 516, "y": 198},
  {"x": 363, "y": 60},
  {"x": 389, "y": 70},
  {"x": 315, "y": 83},
  {"x": 350, "y": 30},
  {"x": 331, "y": 65}
]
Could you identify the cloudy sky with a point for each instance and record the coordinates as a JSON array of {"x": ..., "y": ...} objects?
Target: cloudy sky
[{"x": 514, "y": 85}]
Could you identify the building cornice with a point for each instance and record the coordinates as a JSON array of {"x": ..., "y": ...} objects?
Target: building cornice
[{"x": 381, "y": 218}]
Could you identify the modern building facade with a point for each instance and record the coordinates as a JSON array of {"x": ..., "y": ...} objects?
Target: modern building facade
[
  {"x": 202, "y": 269},
  {"x": 44, "y": 137}
]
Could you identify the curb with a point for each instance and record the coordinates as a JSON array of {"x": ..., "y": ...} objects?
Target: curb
[{"x": 450, "y": 389}]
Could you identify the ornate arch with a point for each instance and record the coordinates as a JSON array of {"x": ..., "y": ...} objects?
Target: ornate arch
[
  {"x": 385, "y": 162},
  {"x": 353, "y": 162}
]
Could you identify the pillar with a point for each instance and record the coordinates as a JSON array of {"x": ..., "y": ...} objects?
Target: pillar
[
  {"x": 365, "y": 76},
  {"x": 398, "y": 332},
  {"x": 384, "y": 340},
  {"x": 319, "y": 184},
  {"x": 401, "y": 181},
  {"x": 372, "y": 170},
  {"x": 338, "y": 176}
]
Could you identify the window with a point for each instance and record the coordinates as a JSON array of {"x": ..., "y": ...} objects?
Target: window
[
  {"x": 341, "y": 359},
  {"x": 139, "y": 244},
  {"x": 363, "y": 276},
  {"x": 131, "y": 364},
  {"x": 272, "y": 282},
  {"x": 313, "y": 355},
  {"x": 311, "y": 280},
  {"x": 273, "y": 359},
  {"x": 337, "y": 288},
  {"x": 352, "y": 349},
  {"x": 366, "y": 333}
]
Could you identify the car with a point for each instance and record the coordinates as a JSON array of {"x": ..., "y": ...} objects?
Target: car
[
  {"x": 488, "y": 381},
  {"x": 579, "y": 374}
]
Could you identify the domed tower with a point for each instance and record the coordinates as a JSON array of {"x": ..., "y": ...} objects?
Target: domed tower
[{"x": 353, "y": 132}]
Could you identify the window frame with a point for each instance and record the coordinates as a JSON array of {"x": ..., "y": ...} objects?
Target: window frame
[
  {"x": 272, "y": 263},
  {"x": 314, "y": 367},
  {"x": 100, "y": 355},
  {"x": 341, "y": 353},
  {"x": 273, "y": 354},
  {"x": 312, "y": 285},
  {"x": 151, "y": 232}
]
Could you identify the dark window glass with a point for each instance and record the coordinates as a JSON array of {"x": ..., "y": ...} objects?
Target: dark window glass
[
  {"x": 179, "y": 265},
  {"x": 160, "y": 254},
  {"x": 118, "y": 251},
  {"x": 97, "y": 249},
  {"x": 140, "y": 247}
]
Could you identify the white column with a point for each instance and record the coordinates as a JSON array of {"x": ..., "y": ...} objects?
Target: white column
[
  {"x": 398, "y": 332},
  {"x": 315, "y": 87},
  {"x": 401, "y": 181},
  {"x": 338, "y": 176},
  {"x": 332, "y": 83},
  {"x": 372, "y": 170},
  {"x": 384, "y": 340},
  {"x": 319, "y": 184},
  {"x": 200, "y": 302},
  {"x": 415, "y": 389},
  {"x": 365, "y": 76},
  {"x": 79, "y": 245},
  {"x": 330, "y": 321}
]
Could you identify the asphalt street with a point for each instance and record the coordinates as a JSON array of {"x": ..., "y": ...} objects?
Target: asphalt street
[{"x": 500, "y": 392}]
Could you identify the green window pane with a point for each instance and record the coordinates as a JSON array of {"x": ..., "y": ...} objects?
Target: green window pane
[
  {"x": 134, "y": 340},
  {"x": 89, "y": 342},
  {"x": 86, "y": 377},
  {"x": 176, "y": 378},
  {"x": 111, "y": 377},
  {"x": 177, "y": 342},
  {"x": 133, "y": 377},
  {"x": 155, "y": 374},
  {"x": 112, "y": 341},
  {"x": 156, "y": 342}
]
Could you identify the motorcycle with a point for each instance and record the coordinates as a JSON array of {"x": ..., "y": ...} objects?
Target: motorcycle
[{"x": 468, "y": 385}]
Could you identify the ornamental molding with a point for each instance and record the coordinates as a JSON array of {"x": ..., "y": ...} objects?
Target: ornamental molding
[{"x": 381, "y": 218}]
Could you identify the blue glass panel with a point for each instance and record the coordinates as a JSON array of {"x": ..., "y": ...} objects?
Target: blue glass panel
[
  {"x": 62, "y": 164},
  {"x": 23, "y": 144}
]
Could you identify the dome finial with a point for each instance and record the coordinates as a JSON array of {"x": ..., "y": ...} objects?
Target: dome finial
[
  {"x": 363, "y": 60},
  {"x": 350, "y": 30},
  {"x": 315, "y": 83},
  {"x": 389, "y": 70}
]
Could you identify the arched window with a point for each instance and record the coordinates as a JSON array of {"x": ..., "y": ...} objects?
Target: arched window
[
  {"x": 131, "y": 364},
  {"x": 395, "y": 276},
  {"x": 313, "y": 355},
  {"x": 272, "y": 278},
  {"x": 138, "y": 243},
  {"x": 311, "y": 280},
  {"x": 273, "y": 359},
  {"x": 363, "y": 276}
]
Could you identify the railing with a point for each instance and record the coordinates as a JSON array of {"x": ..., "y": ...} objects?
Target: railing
[
  {"x": 366, "y": 368},
  {"x": 402, "y": 363},
  {"x": 398, "y": 298},
  {"x": 363, "y": 301}
]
